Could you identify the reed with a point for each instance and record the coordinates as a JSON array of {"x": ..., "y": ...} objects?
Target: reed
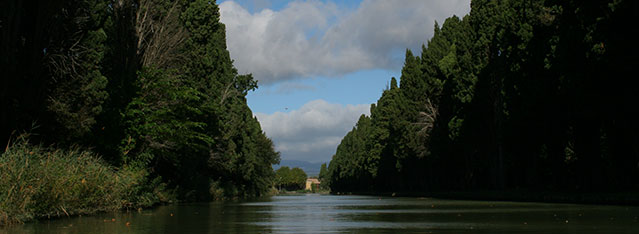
[{"x": 42, "y": 182}]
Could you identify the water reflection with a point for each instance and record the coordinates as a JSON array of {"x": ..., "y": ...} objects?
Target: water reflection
[
  {"x": 352, "y": 214},
  {"x": 217, "y": 217}
]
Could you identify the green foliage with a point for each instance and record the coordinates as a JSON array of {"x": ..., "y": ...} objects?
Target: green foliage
[
  {"x": 290, "y": 179},
  {"x": 149, "y": 85},
  {"x": 517, "y": 94},
  {"x": 40, "y": 182},
  {"x": 324, "y": 177},
  {"x": 239, "y": 155},
  {"x": 80, "y": 87},
  {"x": 192, "y": 124},
  {"x": 52, "y": 62},
  {"x": 156, "y": 117},
  {"x": 323, "y": 171}
]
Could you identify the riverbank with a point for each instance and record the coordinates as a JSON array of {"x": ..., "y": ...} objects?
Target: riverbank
[
  {"x": 522, "y": 195},
  {"x": 43, "y": 182}
]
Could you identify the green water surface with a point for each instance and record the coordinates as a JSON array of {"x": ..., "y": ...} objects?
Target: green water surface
[{"x": 351, "y": 214}]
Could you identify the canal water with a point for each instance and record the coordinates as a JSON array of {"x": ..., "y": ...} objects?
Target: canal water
[{"x": 351, "y": 214}]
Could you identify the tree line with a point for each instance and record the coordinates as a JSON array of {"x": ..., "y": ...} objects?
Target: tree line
[
  {"x": 535, "y": 95},
  {"x": 143, "y": 83},
  {"x": 290, "y": 179}
]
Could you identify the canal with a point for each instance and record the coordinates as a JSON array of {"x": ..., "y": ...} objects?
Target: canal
[{"x": 314, "y": 213}]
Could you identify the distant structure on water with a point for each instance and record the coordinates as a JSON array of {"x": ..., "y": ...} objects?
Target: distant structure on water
[{"x": 312, "y": 182}]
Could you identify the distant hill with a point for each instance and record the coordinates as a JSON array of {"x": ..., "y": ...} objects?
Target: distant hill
[{"x": 311, "y": 169}]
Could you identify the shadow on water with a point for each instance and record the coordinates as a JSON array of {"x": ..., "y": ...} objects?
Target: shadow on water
[
  {"x": 352, "y": 214},
  {"x": 215, "y": 217}
]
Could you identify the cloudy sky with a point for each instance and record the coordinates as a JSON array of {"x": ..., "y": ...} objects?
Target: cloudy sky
[{"x": 320, "y": 64}]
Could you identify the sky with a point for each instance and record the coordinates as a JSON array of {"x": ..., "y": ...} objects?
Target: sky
[{"x": 321, "y": 64}]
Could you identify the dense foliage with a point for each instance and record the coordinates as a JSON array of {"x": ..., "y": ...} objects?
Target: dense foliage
[
  {"x": 40, "y": 182},
  {"x": 290, "y": 179},
  {"x": 145, "y": 84},
  {"x": 516, "y": 95}
]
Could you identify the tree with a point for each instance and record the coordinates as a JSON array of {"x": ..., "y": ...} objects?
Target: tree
[
  {"x": 147, "y": 84},
  {"x": 518, "y": 94},
  {"x": 323, "y": 171},
  {"x": 52, "y": 57},
  {"x": 290, "y": 179}
]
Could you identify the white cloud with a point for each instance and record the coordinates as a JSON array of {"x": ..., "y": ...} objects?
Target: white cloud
[
  {"x": 313, "y": 132},
  {"x": 313, "y": 38}
]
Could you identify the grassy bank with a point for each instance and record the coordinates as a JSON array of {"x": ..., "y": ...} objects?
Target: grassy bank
[{"x": 38, "y": 182}]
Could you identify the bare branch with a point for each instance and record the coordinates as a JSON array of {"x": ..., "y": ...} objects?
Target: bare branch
[
  {"x": 159, "y": 35},
  {"x": 427, "y": 118},
  {"x": 227, "y": 92}
]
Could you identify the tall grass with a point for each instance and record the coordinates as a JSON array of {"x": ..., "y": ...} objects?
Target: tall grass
[{"x": 37, "y": 181}]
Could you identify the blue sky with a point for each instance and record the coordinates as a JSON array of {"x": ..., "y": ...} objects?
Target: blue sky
[
  {"x": 320, "y": 64},
  {"x": 360, "y": 87},
  {"x": 254, "y": 6}
]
